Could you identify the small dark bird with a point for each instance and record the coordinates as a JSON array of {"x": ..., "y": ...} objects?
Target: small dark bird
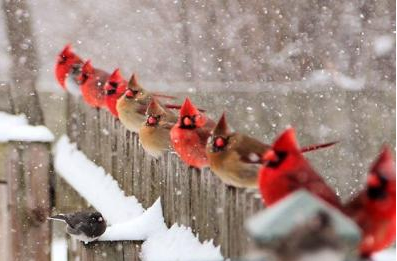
[{"x": 84, "y": 226}]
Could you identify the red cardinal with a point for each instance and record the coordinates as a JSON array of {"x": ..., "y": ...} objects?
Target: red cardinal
[
  {"x": 189, "y": 135},
  {"x": 67, "y": 70},
  {"x": 114, "y": 89},
  {"x": 92, "y": 83},
  {"x": 374, "y": 209},
  {"x": 285, "y": 170}
]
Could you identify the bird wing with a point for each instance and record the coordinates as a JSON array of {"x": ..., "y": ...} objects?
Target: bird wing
[
  {"x": 306, "y": 177},
  {"x": 249, "y": 149}
]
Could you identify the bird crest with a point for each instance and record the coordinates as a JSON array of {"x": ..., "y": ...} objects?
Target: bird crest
[
  {"x": 155, "y": 108},
  {"x": 286, "y": 141},
  {"x": 221, "y": 127},
  {"x": 133, "y": 83},
  {"x": 188, "y": 109}
]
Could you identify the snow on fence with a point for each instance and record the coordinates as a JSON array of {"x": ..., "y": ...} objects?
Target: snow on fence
[{"x": 196, "y": 199}]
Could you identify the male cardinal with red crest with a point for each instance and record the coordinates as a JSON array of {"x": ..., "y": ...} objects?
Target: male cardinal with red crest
[
  {"x": 67, "y": 70},
  {"x": 92, "y": 82},
  {"x": 115, "y": 87},
  {"x": 374, "y": 208},
  {"x": 285, "y": 170},
  {"x": 189, "y": 135}
]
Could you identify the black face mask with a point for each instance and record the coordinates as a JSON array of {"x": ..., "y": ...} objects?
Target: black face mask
[
  {"x": 281, "y": 155},
  {"x": 191, "y": 126},
  {"x": 378, "y": 192}
]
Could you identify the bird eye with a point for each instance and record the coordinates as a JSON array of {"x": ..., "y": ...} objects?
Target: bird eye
[
  {"x": 113, "y": 84},
  {"x": 131, "y": 93},
  {"x": 151, "y": 120},
  {"x": 63, "y": 59}
]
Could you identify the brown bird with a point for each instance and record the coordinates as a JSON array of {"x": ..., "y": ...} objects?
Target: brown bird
[
  {"x": 132, "y": 105},
  {"x": 235, "y": 158},
  {"x": 154, "y": 133}
]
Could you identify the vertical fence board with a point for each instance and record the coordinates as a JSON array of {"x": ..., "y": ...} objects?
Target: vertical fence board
[
  {"x": 28, "y": 201},
  {"x": 4, "y": 222}
]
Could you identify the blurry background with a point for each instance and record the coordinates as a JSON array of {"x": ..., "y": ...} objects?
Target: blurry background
[{"x": 324, "y": 67}]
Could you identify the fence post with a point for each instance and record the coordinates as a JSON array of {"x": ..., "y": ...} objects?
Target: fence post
[{"x": 25, "y": 184}]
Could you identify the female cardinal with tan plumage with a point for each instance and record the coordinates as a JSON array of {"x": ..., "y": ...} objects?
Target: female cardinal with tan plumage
[
  {"x": 285, "y": 170},
  {"x": 154, "y": 134},
  {"x": 189, "y": 135},
  {"x": 115, "y": 87},
  {"x": 92, "y": 82},
  {"x": 132, "y": 105},
  {"x": 67, "y": 70},
  {"x": 374, "y": 208},
  {"x": 236, "y": 158}
]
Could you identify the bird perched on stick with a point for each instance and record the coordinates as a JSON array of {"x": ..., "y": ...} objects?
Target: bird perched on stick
[
  {"x": 189, "y": 135},
  {"x": 84, "y": 226},
  {"x": 67, "y": 70},
  {"x": 235, "y": 158},
  {"x": 115, "y": 87},
  {"x": 154, "y": 134},
  {"x": 374, "y": 208},
  {"x": 132, "y": 105},
  {"x": 285, "y": 170},
  {"x": 92, "y": 82}
]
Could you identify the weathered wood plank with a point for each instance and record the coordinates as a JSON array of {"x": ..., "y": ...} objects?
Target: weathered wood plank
[
  {"x": 28, "y": 168},
  {"x": 4, "y": 223},
  {"x": 115, "y": 251}
]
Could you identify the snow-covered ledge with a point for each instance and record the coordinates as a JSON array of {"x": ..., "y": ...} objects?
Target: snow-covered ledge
[
  {"x": 128, "y": 219},
  {"x": 17, "y": 128}
]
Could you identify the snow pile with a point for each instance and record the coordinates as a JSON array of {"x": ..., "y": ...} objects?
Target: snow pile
[
  {"x": 92, "y": 183},
  {"x": 17, "y": 128},
  {"x": 59, "y": 249},
  {"x": 176, "y": 244},
  {"x": 139, "y": 228}
]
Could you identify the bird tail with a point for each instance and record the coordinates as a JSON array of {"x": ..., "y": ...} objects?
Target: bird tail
[
  {"x": 159, "y": 95},
  {"x": 178, "y": 107},
  {"x": 60, "y": 217},
  {"x": 317, "y": 146}
]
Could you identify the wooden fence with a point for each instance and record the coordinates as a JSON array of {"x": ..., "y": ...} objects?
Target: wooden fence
[
  {"x": 193, "y": 198},
  {"x": 199, "y": 199}
]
